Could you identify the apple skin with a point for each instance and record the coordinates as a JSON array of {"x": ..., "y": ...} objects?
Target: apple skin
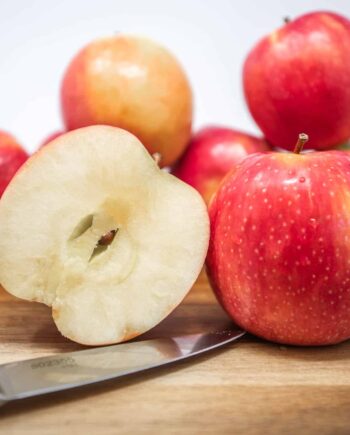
[
  {"x": 12, "y": 156},
  {"x": 51, "y": 137},
  {"x": 279, "y": 255},
  {"x": 132, "y": 83},
  {"x": 211, "y": 154},
  {"x": 298, "y": 79}
]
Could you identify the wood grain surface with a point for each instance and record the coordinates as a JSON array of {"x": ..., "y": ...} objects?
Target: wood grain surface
[{"x": 249, "y": 387}]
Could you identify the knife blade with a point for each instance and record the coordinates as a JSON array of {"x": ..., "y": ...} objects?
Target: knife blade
[{"x": 34, "y": 377}]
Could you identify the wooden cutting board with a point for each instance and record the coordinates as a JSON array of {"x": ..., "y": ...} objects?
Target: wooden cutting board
[{"x": 249, "y": 387}]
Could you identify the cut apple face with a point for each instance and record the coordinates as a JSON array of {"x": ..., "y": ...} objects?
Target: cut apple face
[{"x": 92, "y": 227}]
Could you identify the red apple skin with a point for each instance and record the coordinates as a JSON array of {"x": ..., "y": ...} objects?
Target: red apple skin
[
  {"x": 12, "y": 156},
  {"x": 211, "y": 154},
  {"x": 51, "y": 137},
  {"x": 298, "y": 79},
  {"x": 279, "y": 254}
]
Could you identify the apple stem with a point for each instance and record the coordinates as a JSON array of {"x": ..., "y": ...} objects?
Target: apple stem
[
  {"x": 286, "y": 20},
  {"x": 302, "y": 139}
]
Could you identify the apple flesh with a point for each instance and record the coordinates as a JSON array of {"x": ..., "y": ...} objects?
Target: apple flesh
[
  {"x": 298, "y": 79},
  {"x": 279, "y": 255},
  {"x": 211, "y": 154},
  {"x": 132, "y": 83},
  {"x": 93, "y": 228},
  {"x": 12, "y": 157}
]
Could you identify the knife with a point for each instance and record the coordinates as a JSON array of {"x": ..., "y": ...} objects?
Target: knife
[{"x": 38, "y": 376}]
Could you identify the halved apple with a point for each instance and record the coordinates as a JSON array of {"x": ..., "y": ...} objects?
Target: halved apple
[{"x": 92, "y": 227}]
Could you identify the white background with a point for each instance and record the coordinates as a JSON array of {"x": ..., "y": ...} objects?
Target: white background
[{"x": 210, "y": 37}]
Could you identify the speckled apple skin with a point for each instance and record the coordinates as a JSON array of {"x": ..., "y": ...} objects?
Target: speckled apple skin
[
  {"x": 212, "y": 153},
  {"x": 279, "y": 254},
  {"x": 298, "y": 79},
  {"x": 12, "y": 157}
]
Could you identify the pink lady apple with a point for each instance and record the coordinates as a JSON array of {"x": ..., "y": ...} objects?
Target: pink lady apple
[
  {"x": 212, "y": 153},
  {"x": 279, "y": 255},
  {"x": 12, "y": 156},
  {"x": 298, "y": 79}
]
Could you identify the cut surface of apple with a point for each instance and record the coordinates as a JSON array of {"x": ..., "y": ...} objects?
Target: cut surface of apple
[{"x": 92, "y": 227}]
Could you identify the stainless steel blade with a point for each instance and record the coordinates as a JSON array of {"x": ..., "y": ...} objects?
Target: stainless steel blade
[{"x": 38, "y": 376}]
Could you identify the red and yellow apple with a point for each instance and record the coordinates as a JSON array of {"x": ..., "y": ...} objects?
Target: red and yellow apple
[
  {"x": 298, "y": 79},
  {"x": 12, "y": 156},
  {"x": 211, "y": 154},
  {"x": 132, "y": 83},
  {"x": 279, "y": 255},
  {"x": 93, "y": 228}
]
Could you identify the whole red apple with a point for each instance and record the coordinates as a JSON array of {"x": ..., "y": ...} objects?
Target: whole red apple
[
  {"x": 51, "y": 137},
  {"x": 279, "y": 256},
  {"x": 12, "y": 156},
  {"x": 211, "y": 154},
  {"x": 298, "y": 79}
]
